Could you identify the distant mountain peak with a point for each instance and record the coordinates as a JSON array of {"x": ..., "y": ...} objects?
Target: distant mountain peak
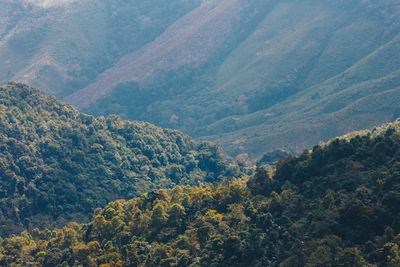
[{"x": 50, "y": 3}]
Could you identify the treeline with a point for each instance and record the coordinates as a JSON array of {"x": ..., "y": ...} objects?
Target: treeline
[
  {"x": 57, "y": 164},
  {"x": 337, "y": 205}
]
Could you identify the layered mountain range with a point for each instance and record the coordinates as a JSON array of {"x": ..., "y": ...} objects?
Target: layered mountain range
[
  {"x": 258, "y": 77},
  {"x": 251, "y": 76}
]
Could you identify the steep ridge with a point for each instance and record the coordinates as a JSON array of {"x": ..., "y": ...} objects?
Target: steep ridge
[
  {"x": 190, "y": 40},
  {"x": 50, "y": 3},
  {"x": 337, "y": 205},
  {"x": 61, "y": 46},
  {"x": 361, "y": 97},
  {"x": 58, "y": 165}
]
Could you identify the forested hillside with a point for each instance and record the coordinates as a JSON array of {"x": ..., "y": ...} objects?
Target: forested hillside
[
  {"x": 57, "y": 164},
  {"x": 337, "y": 205}
]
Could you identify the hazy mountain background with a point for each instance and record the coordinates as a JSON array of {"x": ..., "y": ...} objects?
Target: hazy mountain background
[{"x": 249, "y": 75}]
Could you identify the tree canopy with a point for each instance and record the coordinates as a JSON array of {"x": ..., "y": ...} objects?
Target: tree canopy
[
  {"x": 337, "y": 205},
  {"x": 58, "y": 165}
]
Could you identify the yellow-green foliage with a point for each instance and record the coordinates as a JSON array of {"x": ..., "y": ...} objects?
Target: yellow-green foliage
[
  {"x": 335, "y": 206},
  {"x": 58, "y": 165}
]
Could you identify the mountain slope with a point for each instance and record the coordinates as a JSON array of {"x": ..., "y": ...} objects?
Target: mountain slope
[
  {"x": 337, "y": 205},
  {"x": 58, "y": 165},
  {"x": 190, "y": 40},
  {"x": 63, "y": 46},
  {"x": 265, "y": 76},
  {"x": 251, "y": 76}
]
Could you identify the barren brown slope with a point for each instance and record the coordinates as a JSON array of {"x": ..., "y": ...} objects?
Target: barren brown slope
[{"x": 190, "y": 40}]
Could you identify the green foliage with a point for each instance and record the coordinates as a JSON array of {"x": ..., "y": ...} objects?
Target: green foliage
[
  {"x": 271, "y": 157},
  {"x": 334, "y": 206},
  {"x": 58, "y": 165}
]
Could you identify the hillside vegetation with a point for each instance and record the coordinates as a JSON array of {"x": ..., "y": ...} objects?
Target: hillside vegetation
[
  {"x": 58, "y": 165},
  {"x": 337, "y": 205}
]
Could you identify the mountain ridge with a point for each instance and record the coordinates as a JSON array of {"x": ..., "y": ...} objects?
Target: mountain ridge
[{"x": 139, "y": 65}]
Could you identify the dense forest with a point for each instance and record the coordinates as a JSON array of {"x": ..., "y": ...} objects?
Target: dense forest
[
  {"x": 57, "y": 164},
  {"x": 337, "y": 205}
]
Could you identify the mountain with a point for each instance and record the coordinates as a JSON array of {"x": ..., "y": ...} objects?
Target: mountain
[
  {"x": 58, "y": 165},
  {"x": 287, "y": 74},
  {"x": 337, "y": 205},
  {"x": 63, "y": 45},
  {"x": 252, "y": 76}
]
